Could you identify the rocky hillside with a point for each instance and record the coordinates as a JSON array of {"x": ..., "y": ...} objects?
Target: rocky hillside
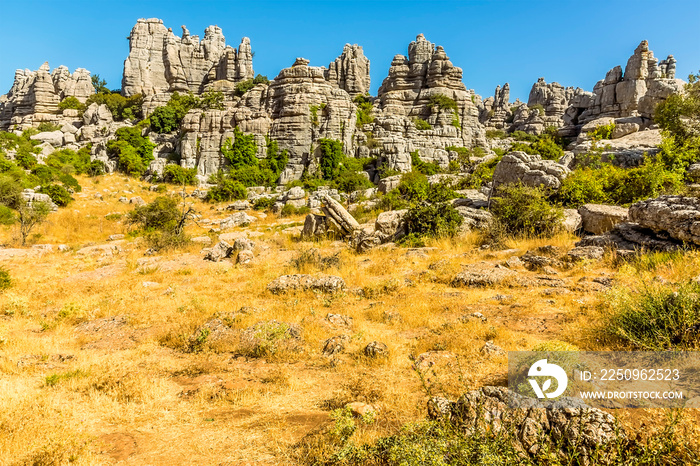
[{"x": 422, "y": 106}]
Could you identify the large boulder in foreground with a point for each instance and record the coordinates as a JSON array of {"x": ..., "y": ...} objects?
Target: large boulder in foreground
[
  {"x": 568, "y": 427},
  {"x": 600, "y": 218},
  {"x": 302, "y": 282},
  {"x": 676, "y": 216},
  {"x": 529, "y": 170}
]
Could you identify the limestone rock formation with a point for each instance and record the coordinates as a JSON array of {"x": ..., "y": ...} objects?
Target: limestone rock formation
[
  {"x": 35, "y": 95},
  {"x": 530, "y": 170},
  {"x": 569, "y": 428},
  {"x": 675, "y": 216},
  {"x": 645, "y": 82},
  {"x": 160, "y": 62},
  {"x": 405, "y": 95},
  {"x": 350, "y": 71},
  {"x": 599, "y": 218}
]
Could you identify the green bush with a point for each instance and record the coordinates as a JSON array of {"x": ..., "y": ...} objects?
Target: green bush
[
  {"x": 64, "y": 159},
  {"x": 248, "y": 84},
  {"x": 276, "y": 160},
  {"x": 433, "y": 220},
  {"x": 413, "y": 186},
  {"x": 58, "y": 194},
  {"x": 495, "y": 134},
  {"x": 426, "y": 168},
  {"x": 179, "y": 175},
  {"x": 421, "y": 124},
  {"x": 5, "y": 279},
  {"x": 120, "y": 106},
  {"x": 132, "y": 150},
  {"x": 364, "y": 110},
  {"x": 543, "y": 145},
  {"x": 47, "y": 127},
  {"x": 226, "y": 189},
  {"x": 523, "y": 211},
  {"x": 603, "y": 132},
  {"x": 161, "y": 214},
  {"x": 168, "y": 118},
  {"x": 241, "y": 151},
  {"x": 264, "y": 203},
  {"x": 608, "y": 184},
  {"x": 442, "y": 102},
  {"x": 656, "y": 318},
  {"x": 71, "y": 102},
  {"x": 440, "y": 192},
  {"x": 331, "y": 157},
  {"x": 349, "y": 181},
  {"x": 7, "y": 216}
]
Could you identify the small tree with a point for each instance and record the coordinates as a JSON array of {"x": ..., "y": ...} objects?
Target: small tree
[
  {"x": 162, "y": 221},
  {"x": 30, "y": 215}
]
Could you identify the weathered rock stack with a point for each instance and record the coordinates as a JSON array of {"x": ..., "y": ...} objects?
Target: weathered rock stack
[
  {"x": 160, "y": 62},
  {"x": 35, "y": 95}
]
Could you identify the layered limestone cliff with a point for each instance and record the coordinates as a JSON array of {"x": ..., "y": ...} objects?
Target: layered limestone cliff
[
  {"x": 159, "y": 61},
  {"x": 408, "y": 94},
  {"x": 35, "y": 95}
]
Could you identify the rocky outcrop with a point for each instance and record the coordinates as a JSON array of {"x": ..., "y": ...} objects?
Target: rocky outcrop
[
  {"x": 35, "y": 95},
  {"x": 405, "y": 95},
  {"x": 530, "y": 170},
  {"x": 496, "y": 112},
  {"x": 599, "y": 218},
  {"x": 567, "y": 427},
  {"x": 551, "y": 98},
  {"x": 350, "y": 71},
  {"x": 675, "y": 216},
  {"x": 646, "y": 81},
  {"x": 160, "y": 62}
]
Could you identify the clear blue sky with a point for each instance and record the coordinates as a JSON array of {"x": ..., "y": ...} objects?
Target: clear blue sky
[{"x": 571, "y": 42}]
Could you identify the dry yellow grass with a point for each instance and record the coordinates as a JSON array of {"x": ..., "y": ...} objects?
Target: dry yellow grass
[{"x": 132, "y": 394}]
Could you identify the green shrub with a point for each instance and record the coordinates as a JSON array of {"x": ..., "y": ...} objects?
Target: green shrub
[
  {"x": 523, "y": 136},
  {"x": 120, "y": 106},
  {"x": 264, "y": 203},
  {"x": 331, "y": 157},
  {"x": 179, "y": 175},
  {"x": 440, "y": 192},
  {"x": 656, "y": 318},
  {"x": 226, "y": 189},
  {"x": 132, "y": 150},
  {"x": 608, "y": 184},
  {"x": 426, "y": 168},
  {"x": 5, "y": 279},
  {"x": 433, "y": 220},
  {"x": 248, "y": 84},
  {"x": 161, "y": 214},
  {"x": 364, "y": 110},
  {"x": 58, "y": 194},
  {"x": 392, "y": 201},
  {"x": 276, "y": 160},
  {"x": 71, "y": 102},
  {"x": 544, "y": 145},
  {"x": 603, "y": 132},
  {"x": 26, "y": 160},
  {"x": 7, "y": 216},
  {"x": 421, "y": 124},
  {"x": 538, "y": 108},
  {"x": 67, "y": 158},
  {"x": 495, "y": 134},
  {"x": 47, "y": 127},
  {"x": 241, "y": 151},
  {"x": 523, "y": 211},
  {"x": 413, "y": 186},
  {"x": 168, "y": 118},
  {"x": 442, "y": 102},
  {"x": 349, "y": 181}
]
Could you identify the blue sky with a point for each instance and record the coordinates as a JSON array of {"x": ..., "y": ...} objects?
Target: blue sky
[{"x": 573, "y": 43}]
